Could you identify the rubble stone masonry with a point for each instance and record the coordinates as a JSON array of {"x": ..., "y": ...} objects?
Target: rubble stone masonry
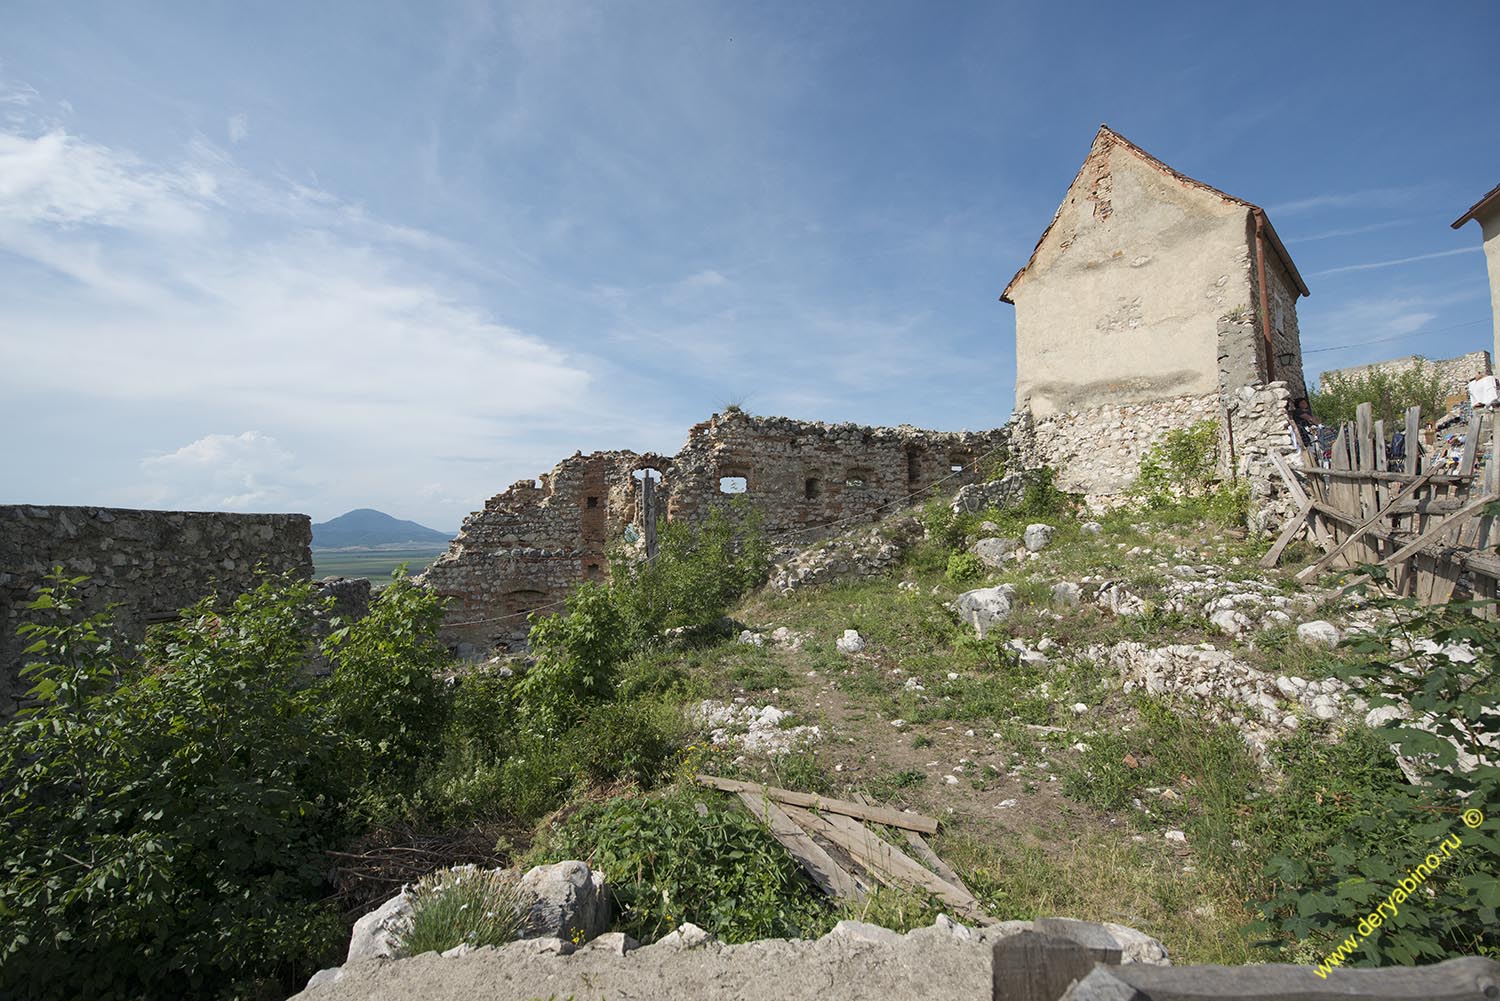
[
  {"x": 151, "y": 563},
  {"x": 531, "y": 544}
]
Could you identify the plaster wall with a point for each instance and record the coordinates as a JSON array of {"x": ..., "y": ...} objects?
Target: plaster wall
[
  {"x": 1490, "y": 228},
  {"x": 1122, "y": 302}
]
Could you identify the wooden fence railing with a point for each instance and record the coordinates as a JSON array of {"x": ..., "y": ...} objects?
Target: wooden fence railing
[{"x": 1424, "y": 516}]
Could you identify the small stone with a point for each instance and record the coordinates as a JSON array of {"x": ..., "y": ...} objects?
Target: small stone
[
  {"x": 851, "y": 642},
  {"x": 1067, "y": 594},
  {"x": 1092, "y": 528},
  {"x": 1177, "y": 836},
  {"x": 951, "y": 780},
  {"x": 1079, "y": 709},
  {"x": 1038, "y": 536}
]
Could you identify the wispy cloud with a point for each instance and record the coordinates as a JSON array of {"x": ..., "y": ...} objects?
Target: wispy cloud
[
  {"x": 1374, "y": 265},
  {"x": 222, "y": 472},
  {"x": 238, "y": 128},
  {"x": 1371, "y": 198}
]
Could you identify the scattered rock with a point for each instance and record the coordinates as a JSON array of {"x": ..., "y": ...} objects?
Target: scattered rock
[
  {"x": 566, "y": 900},
  {"x": 750, "y": 639},
  {"x": 1318, "y": 633},
  {"x": 993, "y": 552},
  {"x": 1067, "y": 594},
  {"x": 1038, "y": 537},
  {"x": 1092, "y": 528},
  {"x": 851, "y": 642},
  {"x": 1116, "y": 599},
  {"x": 375, "y": 933},
  {"x": 986, "y": 607},
  {"x": 1230, "y": 622}
]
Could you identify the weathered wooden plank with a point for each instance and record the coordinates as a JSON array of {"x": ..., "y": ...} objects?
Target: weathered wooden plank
[
  {"x": 1432, "y": 533},
  {"x": 1299, "y": 495},
  {"x": 1467, "y": 979},
  {"x": 884, "y": 860},
  {"x": 1413, "y": 439},
  {"x": 879, "y": 814},
  {"x": 1288, "y": 533},
  {"x": 1318, "y": 567},
  {"x": 924, "y": 852},
  {"x": 1388, "y": 476},
  {"x": 828, "y": 874}
]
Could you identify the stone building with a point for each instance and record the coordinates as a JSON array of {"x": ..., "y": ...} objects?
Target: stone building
[
  {"x": 531, "y": 544},
  {"x": 1486, "y": 212},
  {"x": 1150, "y": 299}
]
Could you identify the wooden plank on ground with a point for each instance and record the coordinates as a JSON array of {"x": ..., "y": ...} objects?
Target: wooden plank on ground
[
  {"x": 924, "y": 852},
  {"x": 879, "y": 814},
  {"x": 887, "y": 862},
  {"x": 827, "y": 873},
  {"x": 1371, "y": 522}
]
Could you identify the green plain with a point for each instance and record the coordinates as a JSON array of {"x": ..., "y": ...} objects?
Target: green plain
[{"x": 375, "y": 564}]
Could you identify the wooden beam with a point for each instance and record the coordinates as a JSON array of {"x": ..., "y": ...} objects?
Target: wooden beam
[
  {"x": 1288, "y": 533},
  {"x": 883, "y": 859},
  {"x": 827, "y": 873},
  {"x": 923, "y": 851},
  {"x": 1299, "y": 496},
  {"x": 1421, "y": 541},
  {"x": 879, "y": 814},
  {"x": 1310, "y": 572},
  {"x": 1480, "y": 562}
]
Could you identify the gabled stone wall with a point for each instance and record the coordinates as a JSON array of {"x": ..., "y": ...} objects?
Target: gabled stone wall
[{"x": 533, "y": 543}]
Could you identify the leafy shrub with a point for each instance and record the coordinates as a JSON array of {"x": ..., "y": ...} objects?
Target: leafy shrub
[
  {"x": 1419, "y": 386},
  {"x": 482, "y": 714},
  {"x": 669, "y": 863},
  {"x": 964, "y": 568},
  {"x": 1451, "y": 681},
  {"x": 635, "y": 740},
  {"x": 697, "y": 572},
  {"x": 1042, "y": 498},
  {"x": 384, "y": 692},
  {"x": 1181, "y": 465},
  {"x": 464, "y": 905},
  {"x": 164, "y": 828},
  {"x": 577, "y": 656}
]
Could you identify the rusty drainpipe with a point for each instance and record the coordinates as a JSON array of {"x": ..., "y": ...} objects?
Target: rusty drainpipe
[{"x": 1265, "y": 306}]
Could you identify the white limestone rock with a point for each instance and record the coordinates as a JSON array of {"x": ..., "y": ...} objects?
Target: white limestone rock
[
  {"x": 1318, "y": 633},
  {"x": 1230, "y": 622},
  {"x": 375, "y": 934},
  {"x": 986, "y": 607},
  {"x": 993, "y": 552},
  {"x": 1038, "y": 537},
  {"x": 850, "y": 642},
  {"x": 567, "y": 900},
  {"x": 1067, "y": 594}
]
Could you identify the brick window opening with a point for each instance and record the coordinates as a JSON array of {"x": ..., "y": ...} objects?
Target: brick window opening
[
  {"x": 857, "y": 478},
  {"x": 592, "y": 572},
  {"x": 593, "y": 502},
  {"x": 732, "y": 485},
  {"x": 811, "y": 488}
]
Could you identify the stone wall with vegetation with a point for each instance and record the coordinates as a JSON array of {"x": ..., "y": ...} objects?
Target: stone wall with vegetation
[
  {"x": 1455, "y": 373},
  {"x": 149, "y": 563},
  {"x": 533, "y": 543}
]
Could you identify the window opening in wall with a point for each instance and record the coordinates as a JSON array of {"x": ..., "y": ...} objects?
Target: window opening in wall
[
  {"x": 732, "y": 485},
  {"x": 593, "y": 502},
  {"x": 913, "y": 468},
  {"x": 645, "y": 472},
  {"x": 592, "y": 572},
  {"x": 857, "y": 478},
  {"x": 811, "y": 488}
]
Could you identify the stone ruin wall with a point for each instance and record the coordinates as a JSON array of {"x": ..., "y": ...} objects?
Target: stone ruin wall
[
  {"x": 1455, "y": 372},
  {"x": 531, "y": 544},
  {"x": 151, "y": 563}
]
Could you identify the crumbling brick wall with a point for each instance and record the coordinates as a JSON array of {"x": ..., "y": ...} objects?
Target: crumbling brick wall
[
  {"x": 150, "y": 563},
  {"x": 533, "y": 543}
]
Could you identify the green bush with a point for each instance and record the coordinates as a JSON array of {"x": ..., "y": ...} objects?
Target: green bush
[
  {"x": 1419, "y": 386},
  {"x": 461, "y": 906},
  {"x": 577, "y": 657},
  {"x": 1323, "y": 894},
  {"x": 1181, "y": 465},
  {"x": 1042, "y": 498},
  {"x": 165, "y": 826},
  {"x": 384, "y": 693},
  {"x": 697, "y": 572},
  {"x": 689, "y": 856},
  {"x": 630, "y": 740},
  {"x": 964, "y": 568}
]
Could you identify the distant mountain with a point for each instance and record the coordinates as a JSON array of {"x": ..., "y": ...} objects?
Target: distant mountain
[{"x": 370, "y": 529}]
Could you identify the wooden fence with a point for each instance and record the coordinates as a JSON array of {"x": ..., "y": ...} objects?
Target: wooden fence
[{"x": 1423, "y": 516}]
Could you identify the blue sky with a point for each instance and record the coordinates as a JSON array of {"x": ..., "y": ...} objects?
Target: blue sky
[{"x": 318, "y": 256}]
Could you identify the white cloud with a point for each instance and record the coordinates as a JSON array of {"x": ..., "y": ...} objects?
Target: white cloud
[
  {"x": 1373, "y": 265},
  {"x": 222, "y": 472},
  {"x": 239, "y": 128}
]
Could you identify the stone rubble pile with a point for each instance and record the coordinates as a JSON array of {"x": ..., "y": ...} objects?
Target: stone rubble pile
[
  {"x": 757, "y": 729},
  {"x": 863, "y": 556}
]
